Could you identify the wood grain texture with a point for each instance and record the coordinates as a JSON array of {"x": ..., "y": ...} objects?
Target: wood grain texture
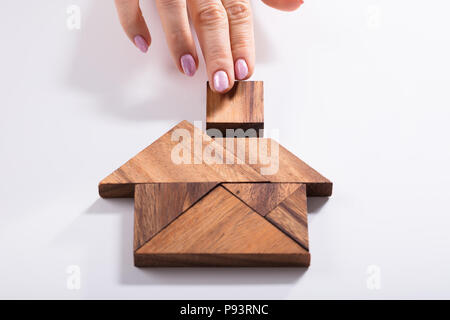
[
  {"x": 231, "y": 202},
  {"x": 220, "y": 230},
  {"x": 290, "y": 168},
  {"x": 262, "y": 197},
  {"x": 157, "y": 205},
  {"x": 290, "y": 216},
  {"x": 240, "y": 108},
  {"x": 154, "y": 164}
]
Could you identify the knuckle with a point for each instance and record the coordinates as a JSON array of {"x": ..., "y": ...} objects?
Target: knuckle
[
  {"x": 217, "y": 55},
  {"x": 238, "y": 11},
  {"x": 211, "y": 14},
  {"x": 240, "y": 45},
  {"x": 178, "y": 36}
]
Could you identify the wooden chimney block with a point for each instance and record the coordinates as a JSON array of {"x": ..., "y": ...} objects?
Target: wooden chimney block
[{"x": 240, "y": 108}]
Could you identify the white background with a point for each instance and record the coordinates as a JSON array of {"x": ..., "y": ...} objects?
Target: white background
[{"x": 359, "y": 90}]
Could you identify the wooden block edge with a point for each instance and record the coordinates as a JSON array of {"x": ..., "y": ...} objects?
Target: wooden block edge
[
  {"x": 258, "y": 260},
  {"x": 112, "y": 190}
]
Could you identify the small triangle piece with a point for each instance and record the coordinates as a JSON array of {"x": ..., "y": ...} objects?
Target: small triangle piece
[
  {"x": 220, "y": 230},
  {"x": 158, "y": 204},
  {"x": 262, "y": 197},
  {"x": 291, "y": 217}
]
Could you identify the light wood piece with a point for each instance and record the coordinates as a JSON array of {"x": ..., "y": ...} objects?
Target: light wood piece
[
  {"x": 220, "y": 230},
  {"x": 290, "y": 168},
  {"x": 262, "y": 197},
  {"x": 157, "y": 205},
  {"x": 154, "y": 164}
]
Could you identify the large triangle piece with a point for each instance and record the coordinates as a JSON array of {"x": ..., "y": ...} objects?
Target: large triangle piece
[
  {"x": 220, "y": 230},
  {"x": 277, "y": 164},
  {"x": 158, "y": 204},
  {"x": 178, "y": 156},
  {"x": 262, "y": 197}
]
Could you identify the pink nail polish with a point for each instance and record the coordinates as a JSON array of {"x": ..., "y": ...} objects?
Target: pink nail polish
[
  {"x": 241, "y": 69},
  {"x": 221, "y": 82},
  {"x": 188, "y": 65},
  {"x": 140, "y": 42}
]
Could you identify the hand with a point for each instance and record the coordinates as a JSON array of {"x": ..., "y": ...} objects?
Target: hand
[{"x": 224, "y": 29}]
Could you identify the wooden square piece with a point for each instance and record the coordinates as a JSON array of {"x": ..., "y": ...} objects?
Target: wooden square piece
[{"x": 240, "y": 108}]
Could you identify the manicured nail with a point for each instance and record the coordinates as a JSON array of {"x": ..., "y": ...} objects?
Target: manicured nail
[
  {"x": 221, "y": 82},
  {"x": 241, "y": 69},
  {"x": 141, "y": 43},
  {"x": 188, "y": 65}
]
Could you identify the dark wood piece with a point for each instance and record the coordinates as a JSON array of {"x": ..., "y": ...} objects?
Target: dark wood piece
[
  {"x": 290, "y": 216},
  {"x": 240, "y": 108}
]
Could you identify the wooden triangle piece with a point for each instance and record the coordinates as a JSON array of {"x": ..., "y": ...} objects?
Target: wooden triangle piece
[
  {"x": 262, "y": 197},
  {"x": 220, "y": 230},
  {"x": 277, "y": 164},
  {"x": 157, "y": 205},
  {"x": 155, "y": 164},
  {"x": 291, "y": 217}
]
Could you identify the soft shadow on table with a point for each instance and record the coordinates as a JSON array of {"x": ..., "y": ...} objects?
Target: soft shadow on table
[
  {"x": 130, "y": 275},
  {"x": 105, "y": 63},
  {"x": 315, "y": 204}
]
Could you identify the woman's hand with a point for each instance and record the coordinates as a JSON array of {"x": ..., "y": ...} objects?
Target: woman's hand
[{"x": 224, "y": 29}]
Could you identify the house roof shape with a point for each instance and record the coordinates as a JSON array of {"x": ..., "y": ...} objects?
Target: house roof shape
[{"x": 154, "y": 164}]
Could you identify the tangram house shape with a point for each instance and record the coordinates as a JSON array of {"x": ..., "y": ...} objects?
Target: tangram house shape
[{"x": 217, "y": 211}]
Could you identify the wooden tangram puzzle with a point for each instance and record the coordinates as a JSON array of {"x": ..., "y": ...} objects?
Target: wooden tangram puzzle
[{"x": 230, "y": 202}]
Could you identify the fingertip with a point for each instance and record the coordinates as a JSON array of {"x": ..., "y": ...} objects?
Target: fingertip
[
  {"x": 133, "y": 23},
  {"x": 241, "y": 70},
  {"x": 188, "y": 65},
  {"x": 141, "y": 43},
  {"x": 284, "y": 5},
  {"x": 221, "y": 81}
]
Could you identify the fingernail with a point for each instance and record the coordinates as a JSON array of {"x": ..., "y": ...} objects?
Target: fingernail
[
  {"x": 221, "y": 82},
  {"x": 141, "y": 43},
  {"x": 188, "y": 65},
  {"x": 241, "y": 69}
]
